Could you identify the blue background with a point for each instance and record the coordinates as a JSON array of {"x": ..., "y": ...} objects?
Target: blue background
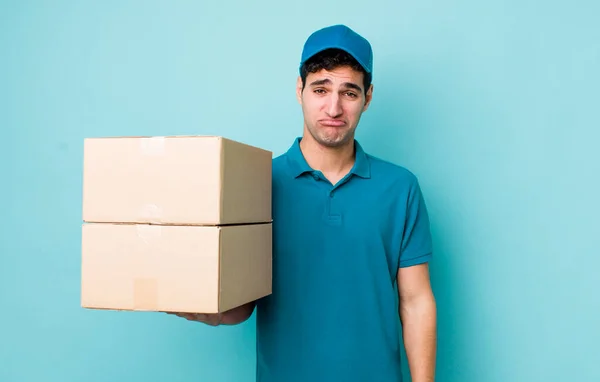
[{"x": 493, "y": 105}]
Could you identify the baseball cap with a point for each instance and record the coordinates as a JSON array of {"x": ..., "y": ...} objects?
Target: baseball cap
[{"x": 340, "y": 37}]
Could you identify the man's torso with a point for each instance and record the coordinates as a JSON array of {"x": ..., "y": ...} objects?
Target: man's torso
[{"x": 336, "y": 250}]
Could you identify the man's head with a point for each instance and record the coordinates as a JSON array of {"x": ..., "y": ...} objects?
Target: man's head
[{"x": 334, "y": 86}]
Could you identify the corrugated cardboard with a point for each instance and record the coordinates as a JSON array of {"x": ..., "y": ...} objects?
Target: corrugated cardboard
[
  {"x": 196, "y": 269},
  {"x": 179, "y": 224},
  {"x": 200, "y": 180}
]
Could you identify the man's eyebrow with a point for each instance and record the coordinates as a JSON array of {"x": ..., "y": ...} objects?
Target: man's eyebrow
[
  {"x": 326, "y": 81},
  {"x": 321, "y": 82},
  {"x": 352, "y": 85}
]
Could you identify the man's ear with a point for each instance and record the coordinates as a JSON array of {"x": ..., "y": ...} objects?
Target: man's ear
[
  {"x": 368, "y": 98},
  {"x": 299, "y": 89}
]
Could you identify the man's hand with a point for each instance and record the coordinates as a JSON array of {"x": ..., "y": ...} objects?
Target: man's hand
[
  {"x": 209, "y": 319},
  {"x": 231, "y": 317}
]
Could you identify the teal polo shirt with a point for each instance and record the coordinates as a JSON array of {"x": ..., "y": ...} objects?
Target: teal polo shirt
[{"x": 333, "y": 313}]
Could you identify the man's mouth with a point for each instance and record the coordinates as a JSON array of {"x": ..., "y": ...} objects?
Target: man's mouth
[{"x": 332, "y": 122}]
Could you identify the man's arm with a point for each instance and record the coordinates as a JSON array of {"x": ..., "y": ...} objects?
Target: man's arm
[
  {"x": 231, "y": 317},
  {"x": 417, "y": 312}
]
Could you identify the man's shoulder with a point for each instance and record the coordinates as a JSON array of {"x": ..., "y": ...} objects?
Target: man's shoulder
[
  {"x": 280, "y": 162},
  {"x": 279, "y": 159},
  {"x": 280, "y": 167},
  {"x": 386, "y": 169}
]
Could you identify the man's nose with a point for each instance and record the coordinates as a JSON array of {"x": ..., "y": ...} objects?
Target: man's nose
[{"x": 334, "y": 108}]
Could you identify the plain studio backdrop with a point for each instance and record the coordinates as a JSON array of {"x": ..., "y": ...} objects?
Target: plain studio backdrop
[{"x": 495, "y": 106}]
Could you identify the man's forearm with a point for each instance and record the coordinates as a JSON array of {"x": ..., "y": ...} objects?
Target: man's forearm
[{"x": 419, "y": 322}]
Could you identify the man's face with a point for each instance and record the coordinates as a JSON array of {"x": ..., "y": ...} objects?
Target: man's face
[{"x": 332, "y": 103}]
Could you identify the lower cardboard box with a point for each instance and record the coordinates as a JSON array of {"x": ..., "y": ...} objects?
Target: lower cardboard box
[{"x": 195, "y": 269}]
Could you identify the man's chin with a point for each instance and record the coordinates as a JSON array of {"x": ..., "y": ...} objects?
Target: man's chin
[
  {"x": 333, "y": 142},
  {"x": 331, "y": 139}
]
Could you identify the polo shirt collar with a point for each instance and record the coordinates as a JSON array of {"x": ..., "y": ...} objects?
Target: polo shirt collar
[
  {"x": 362, "y": 167},
  {"x": 299, "y": 165}
]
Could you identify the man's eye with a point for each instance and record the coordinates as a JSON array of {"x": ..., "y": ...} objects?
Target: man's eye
[
  {"x": 319, "y": 91},
  {"x": 351, "y": 95}
]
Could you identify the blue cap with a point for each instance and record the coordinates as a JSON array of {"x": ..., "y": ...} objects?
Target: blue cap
[{"x": 340, "y": 37}]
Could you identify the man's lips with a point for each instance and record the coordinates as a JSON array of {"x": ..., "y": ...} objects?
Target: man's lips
[{"x": 332, "y": 122}]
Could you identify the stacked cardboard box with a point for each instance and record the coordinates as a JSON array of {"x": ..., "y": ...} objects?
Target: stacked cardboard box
[{"x": 180, "y": 224}]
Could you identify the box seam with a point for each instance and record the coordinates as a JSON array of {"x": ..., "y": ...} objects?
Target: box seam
[{"x": 222, "y": 178}]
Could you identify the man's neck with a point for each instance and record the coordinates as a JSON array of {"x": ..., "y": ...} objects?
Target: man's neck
[{"x": 333, "y": 162}]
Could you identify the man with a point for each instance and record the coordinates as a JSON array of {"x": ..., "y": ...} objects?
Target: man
[{"x": 350, "y": 236}]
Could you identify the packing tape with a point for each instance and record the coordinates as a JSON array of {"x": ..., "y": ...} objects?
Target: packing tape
[
  {"x": 152, "y": 145},
  {"x": 148, "y": 232},
  {"x": 151, "y": 213},
  {"x": 145, "y": 294}
]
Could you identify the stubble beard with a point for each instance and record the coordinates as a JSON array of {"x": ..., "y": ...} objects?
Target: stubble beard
[{"x": 331, "y": 140}]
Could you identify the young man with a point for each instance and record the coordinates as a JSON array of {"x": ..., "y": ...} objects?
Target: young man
[{"x": 350, "y": 237}]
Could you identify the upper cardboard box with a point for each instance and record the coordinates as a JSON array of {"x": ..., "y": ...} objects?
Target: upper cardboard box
[{"x": 196, "y": 180}]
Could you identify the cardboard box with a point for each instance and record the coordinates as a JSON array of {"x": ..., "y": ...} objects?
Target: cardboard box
[
  {"x": 178, "y": 224},
  {"x": 176, "y": 180},
  {"x": 198, "y": 269}
]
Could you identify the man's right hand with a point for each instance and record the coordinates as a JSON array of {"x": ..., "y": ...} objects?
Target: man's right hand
[
  {"x": 209, "y": 319},
  {"x": 231, "y": 317}
]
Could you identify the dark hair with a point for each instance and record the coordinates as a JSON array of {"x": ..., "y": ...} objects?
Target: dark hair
[{"x": 330, "y": 59}]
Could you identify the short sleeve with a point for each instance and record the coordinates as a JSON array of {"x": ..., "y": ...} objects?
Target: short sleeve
[{"x": 416, "y": 247}]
